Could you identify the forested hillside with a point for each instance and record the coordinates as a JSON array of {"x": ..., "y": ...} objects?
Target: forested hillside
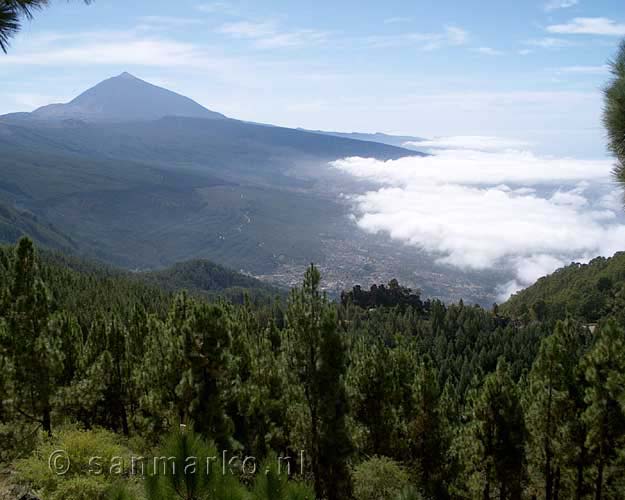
[
  {"x": 15, "y": 223},
  {"x": 81, "y": 278},
  {"x": 585, "y": 291},
  {"x": 384, "y": 395}
]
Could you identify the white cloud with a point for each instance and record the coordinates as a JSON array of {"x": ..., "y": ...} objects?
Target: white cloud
[
  {"x": 529, "y": 269},
  {"x": 451, "y": 36},
  {"x": 484, "y": 210},
  {"x": 107, "y": 48},
  {"x": 549, "y": 43},
  {"x": 573, "y": 198},
  {"x": 154, "y": 22},
  {"x": 488, "y": 51},
  {"x": 32, "y": 101},
  {"x": 471, "y": 142},
  {"x": 613, "y": 201},
  {"x": 218, "y": 8},
  {"x": 589, "y": 26},
  {"x": 247, "y": 29},
  {"x": 471, "y": 167},
  {"x": 585, "y": 70},
  {"x": 397, "y": 20},
  {"x": 267, "y": 35},
  {"x": 560, "y": 4}
]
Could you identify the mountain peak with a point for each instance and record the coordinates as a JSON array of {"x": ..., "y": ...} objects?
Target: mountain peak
[
  {"x": 125, "y": 98},
  {"x": 127, "y": 76}
]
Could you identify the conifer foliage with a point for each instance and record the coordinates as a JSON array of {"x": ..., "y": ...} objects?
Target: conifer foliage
[{"x": 455, "y": 401}]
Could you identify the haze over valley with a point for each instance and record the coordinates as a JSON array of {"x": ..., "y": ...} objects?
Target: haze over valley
[{"x": 140, "y": 177}]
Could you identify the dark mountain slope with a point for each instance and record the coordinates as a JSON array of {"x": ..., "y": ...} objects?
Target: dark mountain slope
[
  {"x": 145, "y": 194},
  {"x": 15, "y": 223},
  {"x": 148, "y": 194},
  {"x": 214, "y": 144},
  {"x": 392, "y": 140}
]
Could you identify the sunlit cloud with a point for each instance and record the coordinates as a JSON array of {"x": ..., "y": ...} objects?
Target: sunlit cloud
[
  {"x": 550, "y": 43},
  {"x": 106, "y": 48},
  {"x": 488, "y": 51},
  {"x": 492, "y": 208},
  {"x": 589, "y": 26},
  {"x": 169, "y": 22},
  {"x": 397, "y": 20},
  {"x": 560, "y": 4},
  {"x": 586, "y": 70},
  {"x": 451, "y": 36},
  {"x": 268, "y": 35},
  {"x": 471, "y": 142},
  {"x": 218, "y": 8}
]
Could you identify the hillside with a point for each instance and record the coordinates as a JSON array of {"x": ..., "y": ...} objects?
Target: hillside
[
  {"x": 211, "y": 280},
  {"x": 585, "y": 291},
  {"x": 15, "y": 223},
  {"x": 79, "y": 284},
  {"x": 144, "y": 193}
]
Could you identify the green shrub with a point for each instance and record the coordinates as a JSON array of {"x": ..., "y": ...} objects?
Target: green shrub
[
  {"x": 272, "y": 483},
  {"x": 80, "y": 488},
  {"x": 409, "y": 493},
  {"x": 120, "y": 491},
  {"x": 299, "y": 491},
  {"x": 177, "y": 479},
  {"x": 79, "y": 447},
  {"x": 379, "y": 478}
]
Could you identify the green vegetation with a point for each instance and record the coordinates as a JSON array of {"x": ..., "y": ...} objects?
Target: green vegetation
[
  {"x": 585, "y": 291},
  {"x": 379, "y": 477},
  {"x": 405, "y": 400},
  {"x": 210, "y": 280},
  {"x": 614, "y": 112}
]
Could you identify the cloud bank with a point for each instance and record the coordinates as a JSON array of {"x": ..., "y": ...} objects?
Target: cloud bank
[
  {"x": 589, "y": 26},
  {"x": 492, "y": 207}
]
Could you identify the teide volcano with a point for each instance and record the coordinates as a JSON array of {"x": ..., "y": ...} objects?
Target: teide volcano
[{"x": 125, "y": 98}]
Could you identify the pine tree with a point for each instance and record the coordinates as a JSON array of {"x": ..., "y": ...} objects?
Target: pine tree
[
  {"x": 614, "y": 112},
  {"x": 101, "y": 390},
  {"x": 428, "y": 431},
  {"x": 319, "y": 363},
  {"x": 373, "y": 396},
  {"x": 493, "y": 447},
  {"x": 206, "y": 344},
  {"x": 34, "y": 351},
  {"x": 551, "y": 407},
  {"x": 604, "y": 367},
  {"x": 157, "y": 376}
]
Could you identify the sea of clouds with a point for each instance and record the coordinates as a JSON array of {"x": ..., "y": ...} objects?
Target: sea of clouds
[{"x": 489, "y": 203}]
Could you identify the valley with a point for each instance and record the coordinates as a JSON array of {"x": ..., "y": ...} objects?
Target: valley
[{"x": 138, "y": 187}]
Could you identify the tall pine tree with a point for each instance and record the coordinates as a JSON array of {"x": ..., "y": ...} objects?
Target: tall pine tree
[{"x": 319, "y": 363}]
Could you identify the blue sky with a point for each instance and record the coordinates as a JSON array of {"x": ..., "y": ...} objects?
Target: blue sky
[{"x": 527, "y": 70}]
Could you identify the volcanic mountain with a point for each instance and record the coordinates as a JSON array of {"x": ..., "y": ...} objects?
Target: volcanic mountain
[
  {"x": 141, "y": 177},
  {"x": 125, "y": 98}
]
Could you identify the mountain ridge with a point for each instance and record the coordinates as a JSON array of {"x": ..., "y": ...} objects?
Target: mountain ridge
[
  {"x": 147, "y": 193},
  {"x": 125, "y": 98},
  {"x": 402, "y": 141}
]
